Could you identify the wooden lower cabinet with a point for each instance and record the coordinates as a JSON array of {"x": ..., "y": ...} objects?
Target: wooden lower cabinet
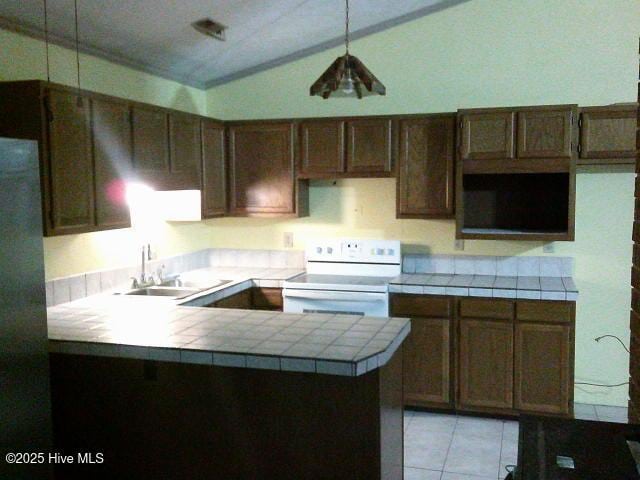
[
  {"x": 427, "y": 365},
  {"x": 255, "y": 298},
  {"x": 238, "y": 300},
  {"x": 488, "y": 355},
  {"x": 543, "y": 368},
  {"x": 486, "y": 364}
]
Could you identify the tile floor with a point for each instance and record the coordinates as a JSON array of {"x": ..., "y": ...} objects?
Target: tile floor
[{"x": 451, "y": 447}]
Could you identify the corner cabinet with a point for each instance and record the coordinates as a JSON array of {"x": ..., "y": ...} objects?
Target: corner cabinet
[
  {"x": 214, "y": 170},
  {"x": 426, "y": 167},
  {"x": 262, "y": 177}
]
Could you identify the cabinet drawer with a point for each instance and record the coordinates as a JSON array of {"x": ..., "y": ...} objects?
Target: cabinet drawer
[
  {"x": 420, "y": 306},
  {"x": 267, "y": 298},
  {"x": 481, "y": 308},
  {"x": 544, "y": 311}
]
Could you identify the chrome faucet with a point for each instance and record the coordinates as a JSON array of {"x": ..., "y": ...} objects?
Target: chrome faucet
[{"x": 143, "y": 281}]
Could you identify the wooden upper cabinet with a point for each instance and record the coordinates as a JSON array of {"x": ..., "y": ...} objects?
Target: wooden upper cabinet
[
  {"x": 150, "y": 140},
  {"x": 370, "y": 146},
  {"x": 214, "y": 184},
  {"x": 426, "y": 167},
  {"x": 70, "y": 166},
  {"x": 485, "y": 364},
  {"x": 322, "y": 147},
  {"x": 112, "y": 161},
  {"x": 546, "y": 132},
  {"x": 487, "y": 134},
  {"x": 261, "y": 168},
  {"x": 608, "y": 134},
  {"x": 186, "y": 151},
  {"x": 543, "y": 368}
]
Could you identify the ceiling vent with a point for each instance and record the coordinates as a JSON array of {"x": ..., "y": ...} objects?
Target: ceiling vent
[{"x": 211, "y": 28}]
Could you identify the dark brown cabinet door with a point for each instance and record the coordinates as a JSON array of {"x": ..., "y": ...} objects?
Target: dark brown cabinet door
[
  {"x": 425, "y": 167},
  {"x": 545, "y": 132},
  {"x": 322, "y": 148},
  {"x": 240, "y": 300},
  {"x": 261, "y": 164},
  {"x": 186, "y": 151},
  {"x": 150, "y": 141},
  {"x": 112, "y": 161},
  {"x": 426, "y": 357},
  {"x": 608, "y": 133},
  {"x": 370, "y": 146},
  {"x": 70, "y": 165},
  {"x": 214, "y": 185},
  {"x": 542, "y": 368},
  {"x": 487, "y": 135},
  {"x": 485, "y": 364}
]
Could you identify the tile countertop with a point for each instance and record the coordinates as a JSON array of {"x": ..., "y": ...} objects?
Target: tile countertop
[
  {"x": 179, "y": 331},
  {"x": 524, "y": 287}
]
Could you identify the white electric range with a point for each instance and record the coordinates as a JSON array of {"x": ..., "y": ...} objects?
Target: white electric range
[{"x": 345, "y": 276}]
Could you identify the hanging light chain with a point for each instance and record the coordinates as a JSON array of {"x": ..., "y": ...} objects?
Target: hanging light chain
[
  {"x": 346, "y": 30},
  {"x": 75, "y": 7},
  {"x": 46, "y": 38}
]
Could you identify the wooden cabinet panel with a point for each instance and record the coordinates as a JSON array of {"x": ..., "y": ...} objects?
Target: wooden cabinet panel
[
  {"x": 240, "y": 300},
  {"x": 426, "y": 357},
  {"x": 70, "y": 165},
  {"x": 112, "y": 161},
  {"x": 545, "y": 311},
  {"x": 542, "y": 368},
  {"x": 608, "y": 133},
  {"x": 487, "y": 135},
  {"x": 186, "y": 152},
  {"x": 214, "y": 184},
  {"x": 545, "y": 132},
  {"x": 425, "y": 167},
  {"x": 370, "y": 146},
  {"x": 261, "y": 163},
  {"x": 421, "y": 306},
  {"x": 150, "y": 140},
  {"x": 322, "y": 147},
  {"x": 266, "y": 298},
  {"x": 486, "y": 308},
  {"x": 485, "y": 364}
]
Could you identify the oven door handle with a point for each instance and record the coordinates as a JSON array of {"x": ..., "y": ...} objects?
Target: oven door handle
[{"x": 337, "y": 296}]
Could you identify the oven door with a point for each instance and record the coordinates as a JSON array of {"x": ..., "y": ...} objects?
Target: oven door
[{"x": 333, "y": 301}]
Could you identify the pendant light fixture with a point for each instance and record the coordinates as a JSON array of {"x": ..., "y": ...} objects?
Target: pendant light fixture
[{"x": 347, "y": 77}]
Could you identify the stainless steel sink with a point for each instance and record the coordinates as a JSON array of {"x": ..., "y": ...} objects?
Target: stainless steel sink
[
  {"x": 178, "y": 282},
  {"x": 176, "y": 288},
  {"x": 164, "y": 292}
]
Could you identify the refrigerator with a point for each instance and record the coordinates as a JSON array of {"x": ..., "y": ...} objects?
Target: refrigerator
[{"x": 25, "y": 402}]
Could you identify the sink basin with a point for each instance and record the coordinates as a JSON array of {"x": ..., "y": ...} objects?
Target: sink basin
[
  {"x": 194, "y": 284},
  {"x": 177, "y": 289},
  {"x": 164, "y": 292}
]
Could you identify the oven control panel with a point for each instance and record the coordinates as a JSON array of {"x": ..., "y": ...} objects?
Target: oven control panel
[{"x": 354, "y": 251}]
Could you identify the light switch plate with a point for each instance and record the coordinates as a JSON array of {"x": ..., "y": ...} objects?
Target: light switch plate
[
  {"x": 288, "y": 239},
  {"x": 459, "y": 244},
  {"x": 548, "y": 247}
]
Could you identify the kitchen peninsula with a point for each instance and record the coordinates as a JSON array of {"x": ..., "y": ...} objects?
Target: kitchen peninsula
[{"x": 167, "y": 390}]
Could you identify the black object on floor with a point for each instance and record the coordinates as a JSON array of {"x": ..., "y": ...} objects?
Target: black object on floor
[{"x": 567, "y": 449}]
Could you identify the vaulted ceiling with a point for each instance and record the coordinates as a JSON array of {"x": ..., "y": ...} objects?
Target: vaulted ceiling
[{"x": 156, "y": 35}]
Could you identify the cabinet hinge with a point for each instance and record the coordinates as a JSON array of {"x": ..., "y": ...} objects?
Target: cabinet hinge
[
  {"x": 579, "y": 148},
  {"x": 580, "y": 122}
]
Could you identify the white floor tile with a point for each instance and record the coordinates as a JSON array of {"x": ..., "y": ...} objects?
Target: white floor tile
[
  {"x": 425, "y": 449},
  {"x": 460, "y": 476},
  {"x": 611, "y": 414},
  {"x": 474, "y": 455},
  {"x": 433, "y": 422},
  {"x": 408, "y": 416},
  {"x": 480, "y": 427},
  {"x": 421, "y": 474}
]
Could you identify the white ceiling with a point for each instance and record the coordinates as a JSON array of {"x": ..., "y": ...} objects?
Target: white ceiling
[{"x": 156, "y": 35}]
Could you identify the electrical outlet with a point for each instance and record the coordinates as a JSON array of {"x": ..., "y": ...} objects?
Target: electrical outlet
[
  {"x": 288, "y": 239},
  {"x": 459, "y": 244},
  {"x": 548, "y": 247}
]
